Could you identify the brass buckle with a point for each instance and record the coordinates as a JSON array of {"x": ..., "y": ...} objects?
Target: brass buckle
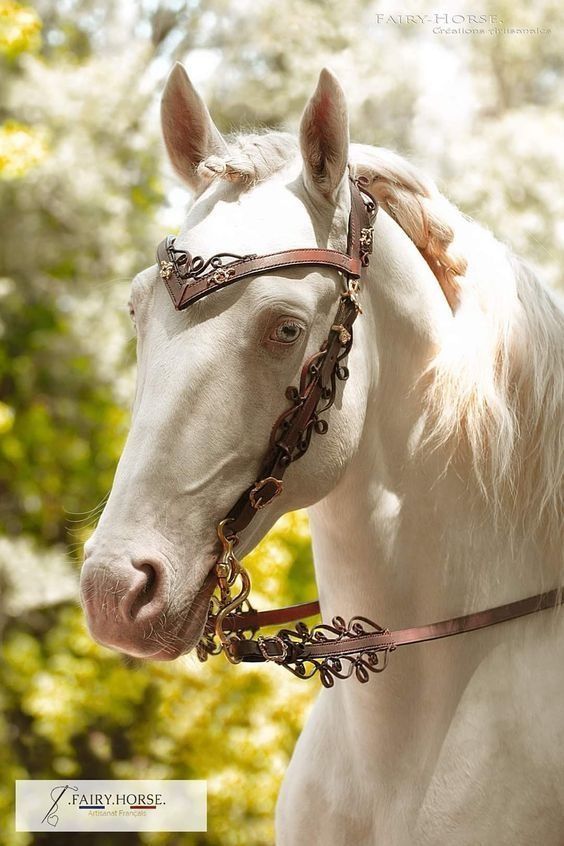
[
  {"x": 256, "y": 500},
  {"x": 351, "y": 293},
  {"x": 278, "y": 659},
  {"x": 228, "y": 570},
  {"x": 344, "y": 334},
  {"x": 367, "y": 239}
]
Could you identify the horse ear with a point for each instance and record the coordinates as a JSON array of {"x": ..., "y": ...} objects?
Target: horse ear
[
  {"x": 324, "y": 136},
  {"x": 189, "y": 133}
]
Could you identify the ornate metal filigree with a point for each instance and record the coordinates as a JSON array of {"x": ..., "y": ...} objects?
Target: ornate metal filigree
[
  {"x": 361, "y": 662},
  {"x": 310, "y": 373},
  {"x": 167, "y": 269},
  {"x": 187, "y": 266},
  {"x": 229, "y": 571},
  {"x": 230, "y": 597},
  {"x": 209, "y": 643},
  {"x": 344, "y": 334},
  {"x": 366, "y": 241},
  {"x": 366, "y": 244}
]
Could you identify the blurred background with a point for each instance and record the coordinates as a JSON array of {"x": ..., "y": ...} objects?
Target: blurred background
[{"x": 85, "y": 195}]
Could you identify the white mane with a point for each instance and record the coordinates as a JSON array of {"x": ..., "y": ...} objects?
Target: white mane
[{"x": 496, "y": 386}]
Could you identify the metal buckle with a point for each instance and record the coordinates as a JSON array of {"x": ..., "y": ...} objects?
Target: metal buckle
[
  {"x": 278, "y": 659},
  {"x": 351, "y": 293},
  {"x": 367, "y": 239},
  {"x": 228, "y": 571},
  {"x": 344, "y": 334},
  {"x": 256, "y": 500}
]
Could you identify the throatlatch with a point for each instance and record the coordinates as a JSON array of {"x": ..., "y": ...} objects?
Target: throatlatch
[{"x": 339, "y": 650}]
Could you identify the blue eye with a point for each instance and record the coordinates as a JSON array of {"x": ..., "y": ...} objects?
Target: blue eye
[{"x": 287, "y": 332}]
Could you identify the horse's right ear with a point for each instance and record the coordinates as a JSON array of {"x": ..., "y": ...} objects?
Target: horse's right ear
[
  {"x": 189, "y": 133},
  {"x": 324, "y": 136}
]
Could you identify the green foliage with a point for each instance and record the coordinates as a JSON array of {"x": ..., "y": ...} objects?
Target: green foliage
[
  {"x": 20, "y": 29},
  {"x": 65, "y": 434},
  {"x": 21, "y": 149}
]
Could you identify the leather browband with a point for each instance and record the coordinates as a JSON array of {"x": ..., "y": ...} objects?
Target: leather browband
[
  {"x": 339, "y": 649},
  {"x": 187, "y": 281},
  {"x": 184, "y": 293}
]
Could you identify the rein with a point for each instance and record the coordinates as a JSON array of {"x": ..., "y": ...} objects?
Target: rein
[{"x": 340, "y": 649}]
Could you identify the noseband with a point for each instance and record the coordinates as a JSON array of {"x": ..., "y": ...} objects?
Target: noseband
[{"x": 340, "y": 649}]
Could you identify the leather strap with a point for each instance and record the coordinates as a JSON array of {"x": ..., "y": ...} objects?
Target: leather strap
[
  {"x": 249, "y": 650},
  {"x": 287, "y": 439},
  {"x": 252, "y": 620},
  {"x": 184, "y": 294},
  {"x": 186, "y": 280},
  {"x": 317, "y": 380}
]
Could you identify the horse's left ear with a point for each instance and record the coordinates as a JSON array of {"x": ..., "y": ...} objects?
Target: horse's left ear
[
  {"x": 189, "y": 133},
  {"x": 324, "y": 136}
]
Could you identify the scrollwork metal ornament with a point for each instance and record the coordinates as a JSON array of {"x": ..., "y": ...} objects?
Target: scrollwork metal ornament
[
  {"x": 298, "y": 396},
  {"x": 334, "y": 651},
  {"x": 233, "y": 588},
  {"x": 301, "y": 660},
  {"x": 166, "y": 269},
  {"x": 187, "y": 266},
  {"x": 301, "y": 649}
]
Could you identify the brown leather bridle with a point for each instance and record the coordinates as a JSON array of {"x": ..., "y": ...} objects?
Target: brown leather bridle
[{"x": 337, "y": 650}]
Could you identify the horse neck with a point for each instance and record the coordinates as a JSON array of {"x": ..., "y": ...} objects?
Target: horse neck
[
  {"x": 407, "y": 540},
  {"x": 406, "y": 537},
  {"x": 409, "y": 529}
]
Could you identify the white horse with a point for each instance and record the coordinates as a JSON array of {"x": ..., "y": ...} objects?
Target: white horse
[{"x": 436, "y": 492}]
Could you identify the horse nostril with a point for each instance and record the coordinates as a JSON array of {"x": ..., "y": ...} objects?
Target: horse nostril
[
  {"x": 126, "y": 601},
  {"x": 146, "y": 590}
]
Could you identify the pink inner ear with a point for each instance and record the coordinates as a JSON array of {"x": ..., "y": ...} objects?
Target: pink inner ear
[
  {"x": 185, "y": 136},
  {"x": 322, "y": 109},
  {"x": 189, "y": 133},
  {"x": 323, "y": 135},
  {"x": 190, "y": 138}
]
